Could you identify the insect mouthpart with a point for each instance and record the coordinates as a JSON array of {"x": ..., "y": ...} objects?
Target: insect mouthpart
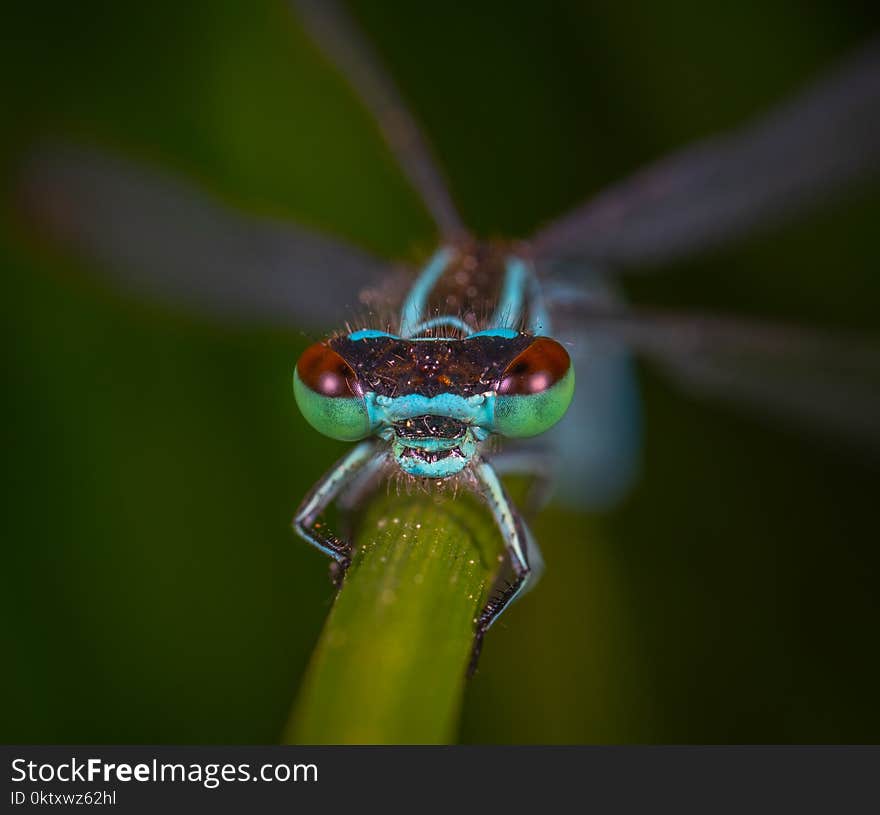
[
  {"x": 431, "y": 457},
  {"x": 432, "y": 446},
  {"x": 429, "y": 427}
]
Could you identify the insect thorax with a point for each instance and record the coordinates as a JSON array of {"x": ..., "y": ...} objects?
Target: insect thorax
[{"x": 468, "y": 291}]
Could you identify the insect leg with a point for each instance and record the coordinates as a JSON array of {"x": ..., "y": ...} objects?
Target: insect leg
[
  {"x": 306, "y": 523},
  {"x": 517, "y": 541},
  {"x": 536, "y": 462},
  {"x": 355, "y": 491}
]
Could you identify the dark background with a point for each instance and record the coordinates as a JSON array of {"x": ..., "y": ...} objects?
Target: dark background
[{"x": 151, "y": 589}]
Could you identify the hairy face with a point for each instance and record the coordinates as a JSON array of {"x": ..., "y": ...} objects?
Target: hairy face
[{"x": 435, "y": 400}]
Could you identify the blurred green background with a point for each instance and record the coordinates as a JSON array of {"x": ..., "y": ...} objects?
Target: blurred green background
[{"x": 151, "y": 588}]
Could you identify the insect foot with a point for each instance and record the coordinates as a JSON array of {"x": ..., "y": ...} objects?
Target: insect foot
[{"x": 337, "y": 572}]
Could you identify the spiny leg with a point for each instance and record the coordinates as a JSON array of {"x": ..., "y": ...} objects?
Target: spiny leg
[
  {"x": 538, "y": 464},
  {"x": 517, "y": 543},
  {"x": 306, "y": 523}
]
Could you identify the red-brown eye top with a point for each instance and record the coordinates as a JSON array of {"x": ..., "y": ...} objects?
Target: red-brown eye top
[
  {"x": 324, "y": 371},
  {"x": 536, "y": 369}
]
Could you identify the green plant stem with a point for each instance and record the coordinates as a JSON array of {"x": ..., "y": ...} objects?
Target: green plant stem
[{"x": 390, "y": 664}]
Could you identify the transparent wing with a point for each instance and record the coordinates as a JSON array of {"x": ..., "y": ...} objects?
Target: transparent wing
[
  {"x": 720, "y": 189},
  {"x": 337, "y": 35},
  {"x": 821, "y": 382},
  {"x": 153, "y": 235}
]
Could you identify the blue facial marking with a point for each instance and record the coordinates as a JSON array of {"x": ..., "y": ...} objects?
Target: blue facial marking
[
  {"x": 478, "y": 409},
  {"x": 370, "y": 333},
  {"x": 505, "y": 333}
]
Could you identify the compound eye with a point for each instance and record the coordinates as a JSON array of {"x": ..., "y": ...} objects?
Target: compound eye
[
  {"x": 537, "y": 369},
  {"x": 329, "y": 395},
  {"x": 535, "y": 390},
  {"x": 324, "y": 371}
]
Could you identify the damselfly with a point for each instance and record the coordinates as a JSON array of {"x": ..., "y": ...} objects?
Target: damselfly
[{"x": 489, "y": 337}]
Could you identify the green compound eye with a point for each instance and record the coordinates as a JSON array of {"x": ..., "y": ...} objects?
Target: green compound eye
[
  {"x": 329, "y": 395},
  {"x": 535, "y": 390}
]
